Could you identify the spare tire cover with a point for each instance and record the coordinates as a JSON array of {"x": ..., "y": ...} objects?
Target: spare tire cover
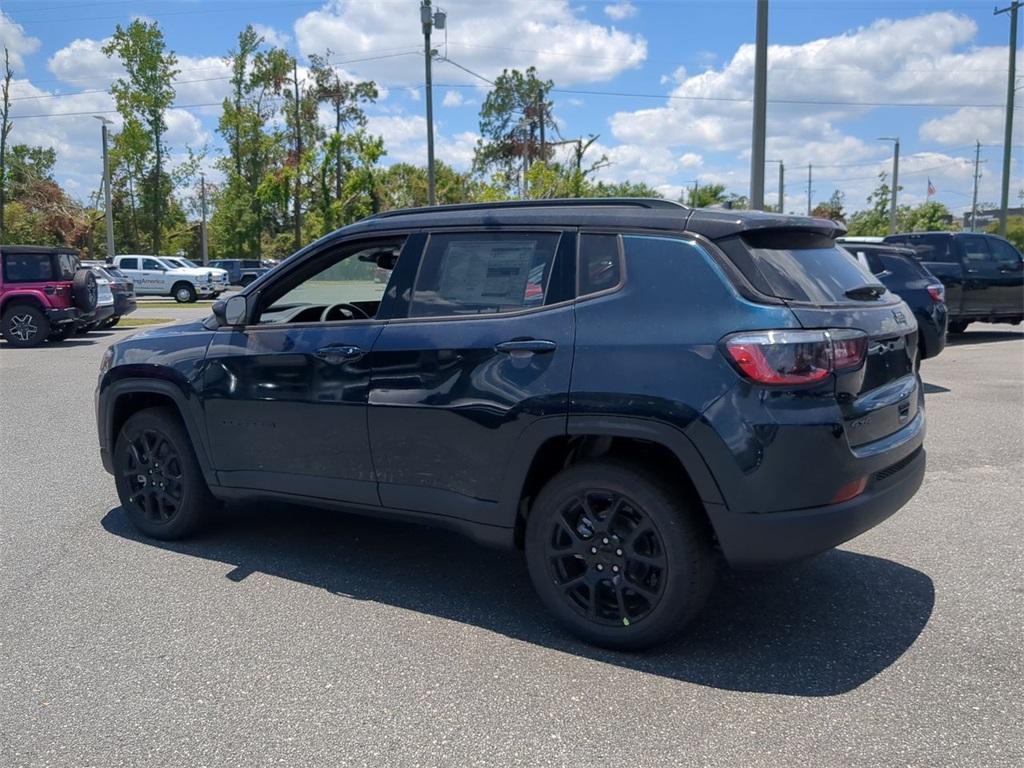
[{"x": 84, "y": 290}]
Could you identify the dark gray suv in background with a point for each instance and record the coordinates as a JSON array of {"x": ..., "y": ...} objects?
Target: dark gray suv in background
[{"x": 240, "y": 271}]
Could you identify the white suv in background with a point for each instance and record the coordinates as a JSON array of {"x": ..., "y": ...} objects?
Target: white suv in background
[{"x": 157, "y": 276}]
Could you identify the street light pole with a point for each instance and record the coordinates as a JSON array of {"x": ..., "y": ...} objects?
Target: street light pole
[
  {"x": 202, "y": 226},
  {"x": 109, "y": 213},
  {"x": 429, "y": 19},
  {"x": 895, "y": 180},
  {"x": 1011, "y": 84},
  {"x": 782, "y": 183},
  {"x": 760, "y": 108}
]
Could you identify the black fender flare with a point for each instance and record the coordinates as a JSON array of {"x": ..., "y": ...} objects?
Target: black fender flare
[{"x": 107, "y": 402}]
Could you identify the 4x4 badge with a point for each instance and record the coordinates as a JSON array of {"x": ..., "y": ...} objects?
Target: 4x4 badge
[{"x": 899, "y": 317}]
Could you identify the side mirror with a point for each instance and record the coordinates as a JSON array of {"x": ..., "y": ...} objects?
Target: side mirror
[{"x": 231, "y": 311}]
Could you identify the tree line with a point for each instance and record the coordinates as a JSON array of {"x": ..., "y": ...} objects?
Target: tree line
[{"x": 297, "y": 161}]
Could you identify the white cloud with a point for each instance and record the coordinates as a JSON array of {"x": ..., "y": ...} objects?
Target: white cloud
[
  {"x": 620, "y": 11},
  {"x": 452, "y": 99},
  {"x": 485, "y": 37},
  {"x": 19, "y": 44},
  {"x": 967, "y": 125},
  {"x": 405, "y": 137},
  {"x": 413, "y": 93},
  {"x": 272, "y": 36},
  {"x": 691, "y": 160}
]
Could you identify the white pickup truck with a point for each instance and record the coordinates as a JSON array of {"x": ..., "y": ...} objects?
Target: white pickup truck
[{"x": 156, "y": 276}]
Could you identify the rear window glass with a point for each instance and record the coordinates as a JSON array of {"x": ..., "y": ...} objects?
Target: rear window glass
[
  {"x": 903, "y": 266},
  {"x": 67, "y": 264},
  {"x": 28, "y": 267},
  {"x": 803, "y": 266}
]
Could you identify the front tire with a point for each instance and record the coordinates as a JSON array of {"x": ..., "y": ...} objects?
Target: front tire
[
  {"x": 619, "y": 556},
  {"x": 159, "y": 481},
  {"x": 25, "y": 326},
  {"x": 184, "y": 293}
]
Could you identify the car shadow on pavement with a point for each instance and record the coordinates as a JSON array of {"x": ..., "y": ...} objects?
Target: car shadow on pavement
[
  {"x": 981, "y": 337},
  {"x": 819, "y": 628},
  {"x": 934, "y": 389}
]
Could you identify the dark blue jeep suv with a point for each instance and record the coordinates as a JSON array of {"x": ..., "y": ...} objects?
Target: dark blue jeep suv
[{"x": 626, "y": 389}]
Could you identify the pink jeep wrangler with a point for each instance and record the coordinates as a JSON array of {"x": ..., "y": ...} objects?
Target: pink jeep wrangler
[{"x": 44, "y": 293}]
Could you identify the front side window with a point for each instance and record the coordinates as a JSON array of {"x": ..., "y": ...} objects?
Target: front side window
[
  {"x": 1006, "y": 255},
  {"x": 483, "y": 273},
  {"x": 335, "y": 287},
  {"x": 152, "y": 264},
  {"x": 28, "y": 267}
]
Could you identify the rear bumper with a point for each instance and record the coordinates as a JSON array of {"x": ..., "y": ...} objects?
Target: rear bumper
[
  {"x": 124, "y": 305},
  {"x": 63, "y": 316},
  {"x": 932, "y": 329},
  {"x": 757, "y": 541}
]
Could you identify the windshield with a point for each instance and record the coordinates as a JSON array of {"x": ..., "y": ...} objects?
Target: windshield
[{"x": 171, "y": 263}]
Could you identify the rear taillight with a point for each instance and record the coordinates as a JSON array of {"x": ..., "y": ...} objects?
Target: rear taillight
[
  {"x": 937, "y": 292},
  {"x": 795, "y": 357}
]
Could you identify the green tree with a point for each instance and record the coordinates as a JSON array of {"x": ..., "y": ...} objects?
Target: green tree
[
  {"x": 142, "y": 98},
  {"x": 515, "y": 120},
  {"x": 1014, "y": 230},
  {"x": 832, "y": 209},
  {"x": 874, "y": 220},
  {"x": 931, "y": 216},
  {"x": 704, "y": 195}
]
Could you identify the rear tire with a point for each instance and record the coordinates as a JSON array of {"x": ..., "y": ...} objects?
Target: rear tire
[
  {"x": 25, "y": 325},
  {"x": 159, "y": 481},
  {"x": 183, "y": 293},
  {"x": 619, "y": 556},
  {"x": 957, "y": 326},
  {"x": 246, "y": 280}
]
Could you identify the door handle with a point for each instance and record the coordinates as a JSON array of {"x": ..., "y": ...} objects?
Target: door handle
[
  {"x": 339, "y": 354},
  {"x": 972, "y": 271},
  {"x": 525, "y": 347}
]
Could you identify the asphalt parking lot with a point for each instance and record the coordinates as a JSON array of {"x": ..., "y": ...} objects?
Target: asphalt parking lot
[{"x": 300, "y": 638}]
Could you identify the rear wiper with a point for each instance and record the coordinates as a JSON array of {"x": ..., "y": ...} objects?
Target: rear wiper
[{"x": 863, "y": 292}]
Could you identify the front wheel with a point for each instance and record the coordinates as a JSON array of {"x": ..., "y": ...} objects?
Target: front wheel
[
  {"x": 618, "y": 555},
  {"x": 159, "y": 481},
  {"x": 25, "y": 326},
  {"x": 184, "y": 293}
]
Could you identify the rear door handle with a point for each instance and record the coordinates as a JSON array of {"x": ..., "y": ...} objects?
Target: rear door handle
[
  {"x": 339, "y": 354},
  {"x": 525, "y": 347}
]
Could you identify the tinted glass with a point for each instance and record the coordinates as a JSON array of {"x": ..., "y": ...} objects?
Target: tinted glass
[
  {"x": 483, "y": 273},
  {"x": 129, "y": 263},
  {"x": 28, "y": 267},
  {"x": 807, "y": 267},
  {"x": 67, "y": 264},
  {"x": 600, "y": 266},
  {"x": 115, "y": 272},
  {"x": 1005, "y": 254},
  {"x": 975, "y": 249},
  {"x": 867, "y": 259},
  {"x": 151, "y": 264},
  {"x": 937, "y": 248},
  {"x": 902, "y": 267},
  {"x": 251, "y": 264}
]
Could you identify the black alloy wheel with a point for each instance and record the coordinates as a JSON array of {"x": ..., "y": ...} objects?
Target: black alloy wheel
[
  {"x": 607, "y": 558},
  {"x": 155, "y": 475},
  {"x": 159, "y": 481},
  {"x": 619, "y": 553}
]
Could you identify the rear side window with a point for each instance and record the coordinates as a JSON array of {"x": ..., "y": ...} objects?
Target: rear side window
[
  {"x": 803, "y": 266},
  {"x": 483, "y": 273},
  {"x": 600, "y": 263},
  {"x": 249, "y": 264},
  {"x": 67, "y": 265},
  {"x": 129, "y": 263},
  {"x": 902, "y": 267},
  {"x": 938, "y": 248},
  {"x": 28, "y": 267}
]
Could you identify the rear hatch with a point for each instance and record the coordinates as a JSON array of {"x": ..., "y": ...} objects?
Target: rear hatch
[{"x": 826, "y": 287}]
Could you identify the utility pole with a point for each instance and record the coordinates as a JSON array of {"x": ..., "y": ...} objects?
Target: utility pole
[
  {"x": 202, "y": 225},
  {"x": 809, "y": 189},
  {"x": 977, "y": 176},
  {"x": 895, "y": 180},
  {"x": 429, "y": 20},
  {"x": 782, "y": 183},
  {"x": 760, "y": 108},
  {"x": 298, "y": 158},
  {"x": 109, "y": 212},
  {"x": 1008, "y": 133}
]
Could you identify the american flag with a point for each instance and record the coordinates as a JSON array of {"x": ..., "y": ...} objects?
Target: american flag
[{"x": 931, "y": 188}]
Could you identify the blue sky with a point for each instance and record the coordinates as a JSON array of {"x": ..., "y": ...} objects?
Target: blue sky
[{"x": 666, "y": 85}]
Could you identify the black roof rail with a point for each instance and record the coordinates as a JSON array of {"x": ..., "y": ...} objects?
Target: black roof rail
[{"x": 635, "y": 202}]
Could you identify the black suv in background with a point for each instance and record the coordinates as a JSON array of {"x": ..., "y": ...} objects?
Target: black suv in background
[
  {"x": 625, "y": 389},
  {"x": 899, "y": 271},
  {"x": 241, "y": 271},
  {"x": 983, "y": 275}
]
